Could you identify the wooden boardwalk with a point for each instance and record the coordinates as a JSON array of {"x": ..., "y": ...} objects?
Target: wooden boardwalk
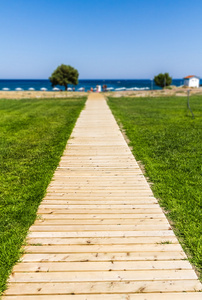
[{"x": 100, "y": 233}]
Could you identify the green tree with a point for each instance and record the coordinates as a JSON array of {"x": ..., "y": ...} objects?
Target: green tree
[
  {"x": 163, "y": 80},
  {"x": 64, "y": 75}
]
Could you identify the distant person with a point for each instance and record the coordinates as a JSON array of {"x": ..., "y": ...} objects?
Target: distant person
[
  {"x": 104, "y": 87},
  {"x": 73, "y": 89},
  {"x": 91, "y": 89},
  {"x": 98, "y": 88}
]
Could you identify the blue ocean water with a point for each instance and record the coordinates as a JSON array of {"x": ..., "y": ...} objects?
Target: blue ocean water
[{"x": 38, "y": 84}]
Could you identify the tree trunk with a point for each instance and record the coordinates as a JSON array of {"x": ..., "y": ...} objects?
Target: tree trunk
[{"x": 66, "y": 86}]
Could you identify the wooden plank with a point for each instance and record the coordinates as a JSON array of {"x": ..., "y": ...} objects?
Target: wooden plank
[
  {"x": 129, "y": 181},
  {"x": 117, "y": 221},
  {"x": 94, "y": 191},
  {"x": 137, "y": 296},
  {"x": 119, "y": 227},
  {"x": 113, "y": 202},
  {"x": 64, "y": 174},
  {"x": 102, "y": 185},
  {"x": 97, "y": 206},
  {"x": 91, "y": 197},
  {"x": 88, "y": 234},
  {"x": 110, "y": 158},
  {"x": 101, "y": 211},
  {"x": 100, "y": 164},
  {"x": 104, "y": 287},
  {"x": 122, "y": 256},
  {"x": 102, "y": 241},
  {"x": 111, "y": 216},
  {"x": 101, "y": 188},
  {"x": 94, "y": 160},
  {"x": 102, "y": 266},
  {"x": 100, "y": 168},
  {"x": 95, "y": 173},
  {"x": 103, "y": 276},
  {"x": 104, "y": 248},
  {"x": 64, "y": 178},
  {"x": 72, "y": 221}
]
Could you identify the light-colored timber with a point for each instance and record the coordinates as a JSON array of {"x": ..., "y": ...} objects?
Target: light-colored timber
[
  {"x": 100, "y": 234},
  {"x": 131, "y": 296}
]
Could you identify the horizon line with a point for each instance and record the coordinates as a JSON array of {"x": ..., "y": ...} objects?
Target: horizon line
[{"x": 91, "y": 78}]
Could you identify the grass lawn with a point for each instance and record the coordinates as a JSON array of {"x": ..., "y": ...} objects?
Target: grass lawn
[
  {"x": 168, "y": 142},
  {"x": 33, "y": 135}
]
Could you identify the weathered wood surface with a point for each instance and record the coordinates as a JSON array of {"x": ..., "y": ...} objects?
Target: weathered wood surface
[
  {"x": 131, "y": 296},
  {"x": 100, "y": 233}
]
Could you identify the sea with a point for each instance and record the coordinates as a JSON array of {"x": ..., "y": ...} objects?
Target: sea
[{"x": 84, "y": 84}]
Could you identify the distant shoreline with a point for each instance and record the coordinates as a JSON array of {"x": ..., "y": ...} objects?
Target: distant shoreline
[
  {"x": 175, "y": 91},
  {"x": 112, "y": 85}
]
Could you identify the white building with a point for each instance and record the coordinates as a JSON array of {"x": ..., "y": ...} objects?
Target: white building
[{"x": 192, "y": 81}]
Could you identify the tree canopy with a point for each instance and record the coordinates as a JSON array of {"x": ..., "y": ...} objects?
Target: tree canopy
[
  {"x": 64, "y": 75},
  {"x": 163, "y": 80}
]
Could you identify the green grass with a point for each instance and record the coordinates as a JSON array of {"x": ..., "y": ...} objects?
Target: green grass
[
  {"x": 33, "y": 135},
  {"x": 168, "y": 142}
]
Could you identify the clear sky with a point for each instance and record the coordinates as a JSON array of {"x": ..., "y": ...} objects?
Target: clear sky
[{"x": 106, "y": 39}]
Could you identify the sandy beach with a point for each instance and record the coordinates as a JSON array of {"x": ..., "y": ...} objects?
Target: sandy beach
[{"x": 175, "y": 91}]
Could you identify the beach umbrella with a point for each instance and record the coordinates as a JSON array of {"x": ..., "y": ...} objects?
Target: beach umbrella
[
  {"x": 31, "y": 89},
  {"x": 43, "y": 89},
  {"x": 56, "y": 89},
  {"x": 120, "y": 89},
  {"x": 5, "y": 89},
  {"x": 69, "y": 89},
  {"x": 19, "y": 89},
  {"x": 80, "y": 89}
]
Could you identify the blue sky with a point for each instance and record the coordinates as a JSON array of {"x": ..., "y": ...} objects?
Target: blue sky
[{"x": 101, "y": 38}]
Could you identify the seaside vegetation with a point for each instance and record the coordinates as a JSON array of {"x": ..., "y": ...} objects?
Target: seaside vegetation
[
  {"x": 63, "y": 76},
  {"x": 33, "y": 135},
  {"x": 167, "y": 141},
  {"x": 163, "y": 80}
]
